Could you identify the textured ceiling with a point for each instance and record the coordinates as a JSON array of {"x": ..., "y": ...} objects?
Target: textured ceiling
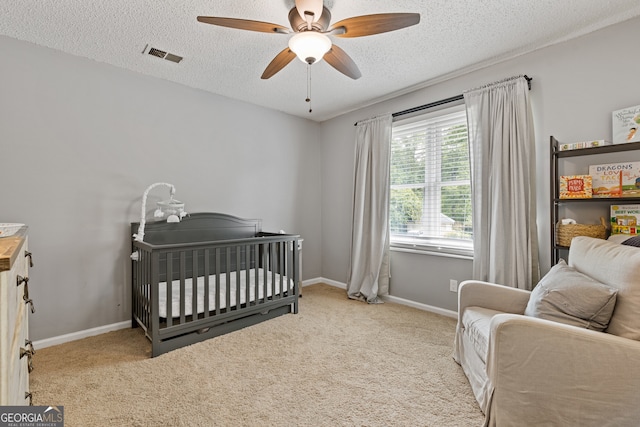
[{"x": 452, "y": 36}]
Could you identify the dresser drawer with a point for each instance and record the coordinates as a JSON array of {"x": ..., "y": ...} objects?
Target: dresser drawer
[
  {"x": 17, "y": 374},
  {"x": 11, "y": 297},
  {"x": 14, "y": 331}
]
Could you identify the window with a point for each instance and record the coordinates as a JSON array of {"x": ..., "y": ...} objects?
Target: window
[{"x": 430, "y": 203}]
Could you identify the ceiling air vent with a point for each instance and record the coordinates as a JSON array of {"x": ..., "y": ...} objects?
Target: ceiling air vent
[
  {"x": 162, "y": 54},
  {"x": 173, "y": 58},
  {"x": 157, "y": 52}
]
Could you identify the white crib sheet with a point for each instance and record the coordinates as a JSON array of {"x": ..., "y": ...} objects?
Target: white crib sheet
[{"x": 188, "y": 292}]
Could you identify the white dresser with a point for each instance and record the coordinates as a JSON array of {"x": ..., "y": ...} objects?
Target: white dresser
[{"x": 16, "y": 350}]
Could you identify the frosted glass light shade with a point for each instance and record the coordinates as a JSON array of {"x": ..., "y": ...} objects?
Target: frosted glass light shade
[{"x": 310, "y": 46}]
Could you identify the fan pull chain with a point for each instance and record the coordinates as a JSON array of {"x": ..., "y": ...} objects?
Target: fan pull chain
[{"x": 309, "y": 86}]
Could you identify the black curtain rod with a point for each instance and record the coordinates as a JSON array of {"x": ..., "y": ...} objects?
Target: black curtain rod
[
  {"x": 441, "y": 102},
  {"x": 429, "y": 105}
]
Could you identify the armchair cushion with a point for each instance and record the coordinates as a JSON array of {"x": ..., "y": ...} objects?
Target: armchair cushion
[
  {"x": 476, "y": 321},
  {"x": 616, "y": 266},
  {"x": 567, "y": 296}
]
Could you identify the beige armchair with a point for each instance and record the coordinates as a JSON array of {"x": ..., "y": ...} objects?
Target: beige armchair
[{"x": 528, "y": 371}]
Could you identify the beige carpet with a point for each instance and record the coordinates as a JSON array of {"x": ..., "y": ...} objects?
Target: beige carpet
[{"x": 336, "y": 363}]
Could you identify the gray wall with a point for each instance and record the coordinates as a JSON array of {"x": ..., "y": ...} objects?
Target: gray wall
[
  {"x": 576, "y": 86},
  {"x": 79, "y": 143}
]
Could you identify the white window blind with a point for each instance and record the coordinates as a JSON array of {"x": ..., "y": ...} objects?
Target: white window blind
[{"x": 430, "y": 204}]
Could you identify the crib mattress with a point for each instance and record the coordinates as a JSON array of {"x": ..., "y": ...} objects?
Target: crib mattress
[{"x": 233, "y": 289}]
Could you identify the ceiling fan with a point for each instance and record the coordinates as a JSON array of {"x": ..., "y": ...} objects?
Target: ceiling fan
[{"x": 310, "y": 21}]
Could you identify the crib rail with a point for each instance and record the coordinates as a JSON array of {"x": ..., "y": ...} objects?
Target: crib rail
[{"x": 202, "y": 282}]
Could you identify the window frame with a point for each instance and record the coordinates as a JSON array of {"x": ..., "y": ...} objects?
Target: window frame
[{"x": 449, "y": 247}]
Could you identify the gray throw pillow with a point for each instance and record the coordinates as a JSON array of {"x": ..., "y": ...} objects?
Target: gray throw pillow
[
  {"x": 633, "y": 241},
  {"x": 567, "y": 296}
]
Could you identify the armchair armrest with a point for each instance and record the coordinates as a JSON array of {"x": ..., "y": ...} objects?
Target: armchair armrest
[
  {"x": 490, "y": 295},
  {"x": 542, "y": 372}
]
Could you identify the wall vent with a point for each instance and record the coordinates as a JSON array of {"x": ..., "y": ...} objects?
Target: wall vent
[{"x": 162, "y": 54}]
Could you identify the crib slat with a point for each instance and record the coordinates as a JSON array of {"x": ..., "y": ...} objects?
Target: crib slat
[
  {"x": 280, "y": 274},
  {"x": 282, "y": 255},
  {"x": 182, "y": 286},
  {"x": 194, "y": 285},
  {"x": 142, "y": 296},
  {"x": 206, "y": 283},
  {"x": 265, "y": 270},
  {"x": 247, "y": 275},
  {"x": 287, "y": 266},
  {"x": 169, "y": 290},
  {"x": 237, "y": 274},
  {"x": 217, "y": 251},
  {"x": 293, "y": 272},
  {"x": 227, "y": 270},
  {"x": 272, "y": 267},
  {"x": 256, "y": 274},
  {"x": 142, "y": 286}
]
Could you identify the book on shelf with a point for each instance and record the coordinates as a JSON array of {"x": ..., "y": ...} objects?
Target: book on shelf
[
  {"x": 575, "y": 187},
  {"x": 625, "y": 219},
  {"x": 626, "y": 125},
  {"x": 584, "y": 144},
  {"x": 616, "y": 179}
]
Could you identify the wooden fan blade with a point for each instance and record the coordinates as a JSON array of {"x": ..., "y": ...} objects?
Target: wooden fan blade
[
  {"x": 278, "y": 63},
  {"x": 244, "y": 24},
  {"x": 367, "y": 25},
  {"x": 342, "y": 62}
]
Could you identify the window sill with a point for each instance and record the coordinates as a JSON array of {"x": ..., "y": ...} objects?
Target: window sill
[{"x": 425, "y": 250}]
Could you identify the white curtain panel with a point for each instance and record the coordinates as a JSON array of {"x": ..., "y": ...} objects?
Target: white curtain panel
[
  {"x": 369, "y": 263},
  {"x": 502, "y": 150}
]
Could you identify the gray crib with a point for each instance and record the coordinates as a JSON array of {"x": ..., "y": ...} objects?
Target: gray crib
[{"x": 208, "y": 275}]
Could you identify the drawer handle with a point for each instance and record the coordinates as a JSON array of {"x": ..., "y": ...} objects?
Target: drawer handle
[
  {"x": 29, "y": 343},
  {"x": 29, "y": 352},
  {"x": 30, "y": 302},
  {"x": 28, "y": 255},
  {"x": 25, "y": 297},
  {"x": 26, "y": 352},
  {"x": 29, "y": 396}
]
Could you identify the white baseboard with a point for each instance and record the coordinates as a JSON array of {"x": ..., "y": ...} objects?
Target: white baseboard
[
  {"x": 330, "y": 282},
  {"x": 48, "y": 342},
  {"x": 421, "y": 306},
  {"x": 390, "y": 298}
]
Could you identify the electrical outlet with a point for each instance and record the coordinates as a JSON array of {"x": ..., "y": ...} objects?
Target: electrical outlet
[{"x": 453, "y": 285}]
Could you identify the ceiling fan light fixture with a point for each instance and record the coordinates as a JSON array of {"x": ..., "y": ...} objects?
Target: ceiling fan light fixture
[
  {"x": 309, "y": 46},
  {"x": 310, "y": 22}
]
